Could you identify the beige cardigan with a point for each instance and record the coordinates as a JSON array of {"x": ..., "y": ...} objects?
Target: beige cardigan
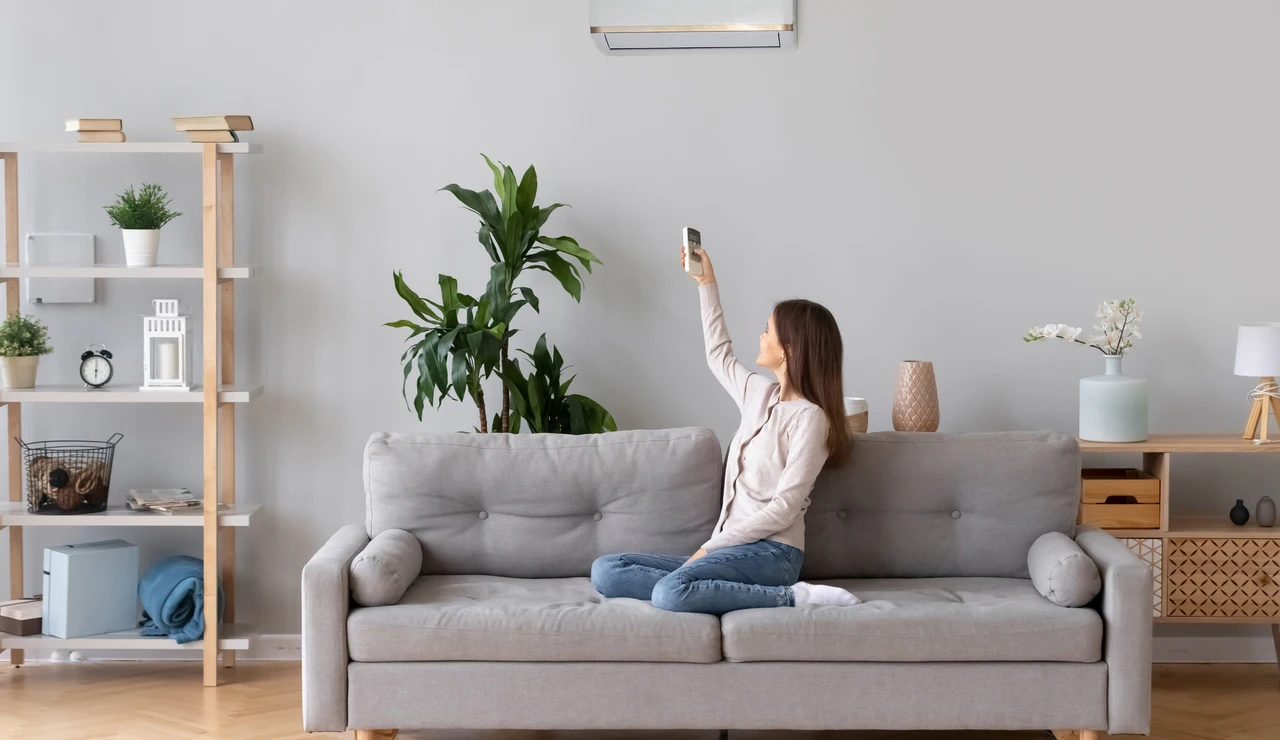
[{"x": 776, "y": 454}]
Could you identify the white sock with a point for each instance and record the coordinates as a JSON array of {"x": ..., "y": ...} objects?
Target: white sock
[{"x": 812, "y": 593}]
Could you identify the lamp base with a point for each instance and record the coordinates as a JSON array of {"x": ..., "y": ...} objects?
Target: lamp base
[{"x": 1264, "y": 406}]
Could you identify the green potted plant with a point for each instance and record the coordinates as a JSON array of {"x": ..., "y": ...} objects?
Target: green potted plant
[
  {"x": 452, "y": 354},
  {"x": 22, "y": 340},
  {"x": 140, "y": 216}
]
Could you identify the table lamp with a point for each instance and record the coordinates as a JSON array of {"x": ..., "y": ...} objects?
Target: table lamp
[{"x": 1258, "y": 356}]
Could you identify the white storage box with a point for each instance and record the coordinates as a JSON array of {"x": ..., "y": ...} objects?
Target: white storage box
[{"x": 90, "y": 589}]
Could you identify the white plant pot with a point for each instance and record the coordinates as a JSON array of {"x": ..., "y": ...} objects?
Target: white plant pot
[
  {"x": 141, "y": 247},
  {"x": 19, "y": 372}
]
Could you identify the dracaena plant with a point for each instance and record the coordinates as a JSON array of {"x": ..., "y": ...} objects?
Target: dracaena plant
[
  {"x": 543, "y": 401},
  {"x": 454, "y": 355}
]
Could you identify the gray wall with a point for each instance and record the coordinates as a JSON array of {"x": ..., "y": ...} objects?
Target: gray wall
[{"x": 941, "y": 175}]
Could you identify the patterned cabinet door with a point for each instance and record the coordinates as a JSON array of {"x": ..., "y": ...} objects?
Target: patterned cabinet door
[
  {"x": 1151, "y": 552},
  {"x": 1224, "y": 578}
]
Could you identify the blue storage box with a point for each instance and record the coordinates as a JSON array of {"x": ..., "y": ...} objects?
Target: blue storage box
[{"x": 90, "y": 589}]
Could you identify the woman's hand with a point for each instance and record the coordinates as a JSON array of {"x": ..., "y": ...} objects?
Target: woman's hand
[
  {"x": 700, "y": 553},
  {"x": 708, "y": 273}
]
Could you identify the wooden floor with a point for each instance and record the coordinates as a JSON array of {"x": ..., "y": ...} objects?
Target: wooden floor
[{"x": 142, "y": 701}]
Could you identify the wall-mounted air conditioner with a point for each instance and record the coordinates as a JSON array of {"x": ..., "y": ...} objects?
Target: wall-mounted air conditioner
[{"x": 631, "y": 26}]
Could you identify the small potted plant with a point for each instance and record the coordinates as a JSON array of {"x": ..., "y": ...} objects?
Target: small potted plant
[
  {"x": 140, "y": 215},
  {"x": 22, "y": 340}
]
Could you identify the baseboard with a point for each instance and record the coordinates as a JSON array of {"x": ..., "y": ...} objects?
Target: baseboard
[{"x": 1164, "y": 650}]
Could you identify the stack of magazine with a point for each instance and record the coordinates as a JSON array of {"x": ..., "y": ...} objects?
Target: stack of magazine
[{"x": 165, "y": 500}]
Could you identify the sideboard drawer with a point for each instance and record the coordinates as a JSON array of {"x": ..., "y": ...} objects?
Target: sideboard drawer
[{"x": 1223, "y": 577}]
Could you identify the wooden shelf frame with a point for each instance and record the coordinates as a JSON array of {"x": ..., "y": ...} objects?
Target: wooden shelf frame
[
  {"x": 217, "y": 394},
  {"x": 1157, "y": 452}
]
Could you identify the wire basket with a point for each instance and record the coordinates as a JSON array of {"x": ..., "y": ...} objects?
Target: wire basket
[{"x": 68, "y": 476}]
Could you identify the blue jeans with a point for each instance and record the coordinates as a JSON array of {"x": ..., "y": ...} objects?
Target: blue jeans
[{"x": 751, "y": 576}]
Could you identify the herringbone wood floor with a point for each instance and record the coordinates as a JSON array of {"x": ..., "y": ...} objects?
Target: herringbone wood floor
[{"x": 154, "y": 701}]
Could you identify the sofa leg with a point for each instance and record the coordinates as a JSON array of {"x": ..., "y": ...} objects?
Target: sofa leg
[
  {"x": 376, "y": 734},
  {"x": 724, "y": 735},
  {"x": 1074, "y": 735}
]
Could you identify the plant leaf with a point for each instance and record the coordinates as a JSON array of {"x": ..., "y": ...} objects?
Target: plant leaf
[
  {"x": 540, "y": 215},
  {"x": 486, "y": 238},
  {"x": 531, "y": 297},
  {"x": 480, "y": 203},
  {"x": 416, "y": 304},
  {"x": 527, "y": 192},
  {"x": 497, "y": 174},
  {"x": 448, "y": 293},
  {"x": 459, "y": 374},
  {"x": 569, "y": 246},
  {"x": 563, "y": 271},
  {"x": 510, "y": 195}
]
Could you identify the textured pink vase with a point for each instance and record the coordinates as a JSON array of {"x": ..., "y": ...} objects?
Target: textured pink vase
[{"x": 915, "y": 400}]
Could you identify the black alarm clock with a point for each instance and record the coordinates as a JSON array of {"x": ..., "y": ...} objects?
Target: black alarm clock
[{"x": 95, "y": 366}]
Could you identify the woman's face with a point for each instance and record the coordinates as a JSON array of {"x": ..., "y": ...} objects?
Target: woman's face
[{"x": 770, "y": 348}]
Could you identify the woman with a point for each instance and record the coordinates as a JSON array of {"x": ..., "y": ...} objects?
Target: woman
[{"x": 790, "y": 429}]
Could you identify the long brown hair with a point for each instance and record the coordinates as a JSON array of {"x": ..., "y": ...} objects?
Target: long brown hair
[{"x": 811, "y": 343}]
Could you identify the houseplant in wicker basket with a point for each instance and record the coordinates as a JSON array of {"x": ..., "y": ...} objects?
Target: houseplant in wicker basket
[{"x": 22, "y": 340}]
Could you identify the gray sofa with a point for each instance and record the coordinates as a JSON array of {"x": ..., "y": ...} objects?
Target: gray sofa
[{"x": 502, "y": 628}]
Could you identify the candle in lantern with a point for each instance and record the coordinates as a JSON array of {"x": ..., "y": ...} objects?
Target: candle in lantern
[{"x": 167, "y": 354}]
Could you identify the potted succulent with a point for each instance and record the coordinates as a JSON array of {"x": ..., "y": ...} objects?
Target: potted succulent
[
  {"x": 140, "y": 215},
  {"x": 22, "y": 340}
]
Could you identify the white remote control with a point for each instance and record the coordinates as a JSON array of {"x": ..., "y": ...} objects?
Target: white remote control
[{"x": 692, "y": 260}]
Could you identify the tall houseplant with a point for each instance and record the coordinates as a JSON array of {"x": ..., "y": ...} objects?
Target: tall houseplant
[
  {"x": 22, "y": 340},
  {"x": 140, "y": 216},
  {"x": 455, "y": 354}
]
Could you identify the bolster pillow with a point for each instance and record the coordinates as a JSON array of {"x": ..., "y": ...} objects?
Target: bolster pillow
[
  {"x": 383, "y": 570},
  {"x": 1062, "y": 572}
]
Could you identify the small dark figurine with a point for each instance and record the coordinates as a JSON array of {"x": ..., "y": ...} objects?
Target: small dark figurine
[{"x": 1239, "y": 514}]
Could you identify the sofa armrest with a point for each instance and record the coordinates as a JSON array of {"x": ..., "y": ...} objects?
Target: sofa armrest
[
  {"x": 1125, "y": 605},
  {"x": 326, "y": 599}
]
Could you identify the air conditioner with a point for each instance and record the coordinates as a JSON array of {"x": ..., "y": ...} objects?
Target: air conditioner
[{"x": 634, "y": 26}]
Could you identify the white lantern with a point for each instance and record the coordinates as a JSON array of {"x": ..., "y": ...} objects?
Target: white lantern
[{"x": 164, "y": 348}]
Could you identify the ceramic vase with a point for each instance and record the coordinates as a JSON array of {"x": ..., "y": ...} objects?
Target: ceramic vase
[
  {"x": 1113, "y": 406},
  {"x": 915, "y": 400},
  {"x": 140, "y": 247},
  {"x": 19, "y": 372},
  {"x": 1239, "y": 514},
  {"x": 1265, "y": 511}
]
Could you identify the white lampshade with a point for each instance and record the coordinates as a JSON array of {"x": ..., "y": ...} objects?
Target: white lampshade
[{"x": 1258, "y": 350}]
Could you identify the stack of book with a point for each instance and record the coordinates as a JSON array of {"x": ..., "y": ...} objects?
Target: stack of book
[
  {"x": 98, "y": 130},
  {"x": 216, "y": 129}
]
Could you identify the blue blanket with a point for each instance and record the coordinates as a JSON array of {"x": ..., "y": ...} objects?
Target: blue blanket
[{"x": 172, "y": 595}]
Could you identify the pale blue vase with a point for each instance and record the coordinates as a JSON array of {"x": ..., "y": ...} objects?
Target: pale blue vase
[{"x": 1113, "y": 407}]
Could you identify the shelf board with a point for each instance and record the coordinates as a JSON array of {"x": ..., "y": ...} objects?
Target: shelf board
[
  {"x": 1204, "y": 443},
  {"x": 128, "y": 147},
  {"x": 1202, "y": 526},
  {"x": 15, "y": 514},
  {"x": 123, "y": 393},
  {"x": 233, "y": 637},
  {"x": 15, "y": 270}
]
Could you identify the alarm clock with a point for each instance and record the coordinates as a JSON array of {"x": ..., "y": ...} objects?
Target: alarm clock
[{"x": 95, "y": 366}]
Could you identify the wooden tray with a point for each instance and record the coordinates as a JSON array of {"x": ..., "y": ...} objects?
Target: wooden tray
[{"x": 1118, "y": 485}]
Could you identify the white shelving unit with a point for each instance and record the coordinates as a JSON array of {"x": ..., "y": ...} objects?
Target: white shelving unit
[{"x": 217, "y": 394}]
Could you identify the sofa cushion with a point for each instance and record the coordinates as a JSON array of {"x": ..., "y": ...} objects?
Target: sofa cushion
[
  {"x": 544, "y": 505},
  {"x": 926, "y": 619},
  {"x": 938, "y": 505},
  {"x": 1061, "y": 572},
  {"x": 514, "y": 619}
]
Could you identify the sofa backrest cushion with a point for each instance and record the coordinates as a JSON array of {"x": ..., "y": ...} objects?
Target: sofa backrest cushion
[
  {"x": 940, "y": 505},
  {"x": 543, "y": 505}
]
